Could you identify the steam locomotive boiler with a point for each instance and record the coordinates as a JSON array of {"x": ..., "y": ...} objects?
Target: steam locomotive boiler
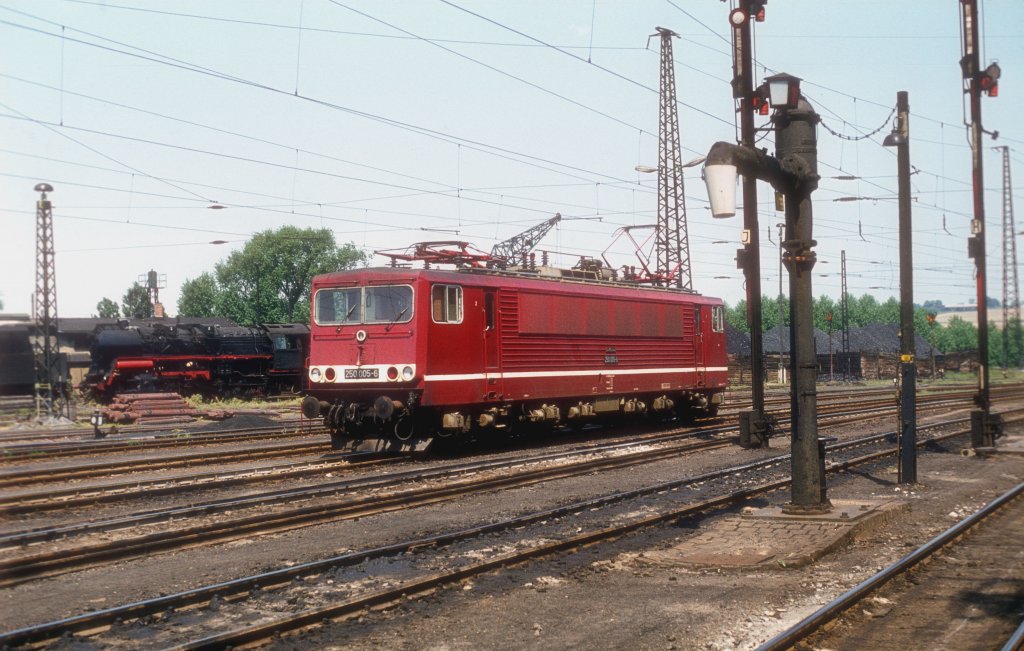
[{"x": 195, "y": 358}]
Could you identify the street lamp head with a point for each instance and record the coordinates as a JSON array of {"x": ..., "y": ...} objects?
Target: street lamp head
[
  {"x": 647, "y": 169},
  {"x": 894, "y": 139},
  {"x": 43, "y": 187},
  {"x": 783, "y": 91},
  {"x": 721, "y": 181}
]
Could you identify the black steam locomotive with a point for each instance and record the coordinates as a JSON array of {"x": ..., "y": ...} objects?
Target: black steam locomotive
[{"x": 193, "y": 358}]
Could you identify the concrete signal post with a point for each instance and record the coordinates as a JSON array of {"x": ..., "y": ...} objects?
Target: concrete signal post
[{"x": 793, "y": 171}]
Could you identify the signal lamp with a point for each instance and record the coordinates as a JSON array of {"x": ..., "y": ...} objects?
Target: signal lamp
[
  {"x": 392, "y": 373},
  {"x": 407, "y": 373},
  {"x": 783, "y": 91},
  {"x": 757, "y": 9},
  {"x": 988, "y": 81},
  {"x": 329, "y": 374},
  {"x": 314, "y": 374}
]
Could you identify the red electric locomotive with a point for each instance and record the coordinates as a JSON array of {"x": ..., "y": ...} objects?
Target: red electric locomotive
[{"x": 400, "y": 356}]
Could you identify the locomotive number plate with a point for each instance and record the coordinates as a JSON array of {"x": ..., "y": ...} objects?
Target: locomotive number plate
[{"x": 361, "y": 373}]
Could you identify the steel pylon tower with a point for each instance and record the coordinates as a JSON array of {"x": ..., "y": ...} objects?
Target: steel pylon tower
[
  {"x": 673, "y": 242},
  {"x": 1011, "y": 285},
  {"x": 50, "y": 398},
  {"x": 845, "y": 309}
]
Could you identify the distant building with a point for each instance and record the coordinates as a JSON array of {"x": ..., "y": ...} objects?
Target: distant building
[
  {"x": 17, "y": 364},
  {"x": 874, "y": 352}
]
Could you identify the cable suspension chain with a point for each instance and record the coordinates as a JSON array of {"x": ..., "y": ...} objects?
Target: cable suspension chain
[{"x": 862, "y": 137}]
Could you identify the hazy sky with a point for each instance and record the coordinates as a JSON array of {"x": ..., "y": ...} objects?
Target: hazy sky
[{"x": 397, "y": 122}]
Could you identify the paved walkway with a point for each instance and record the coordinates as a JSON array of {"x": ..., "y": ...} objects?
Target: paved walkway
[{"x": 769, "y": 538}]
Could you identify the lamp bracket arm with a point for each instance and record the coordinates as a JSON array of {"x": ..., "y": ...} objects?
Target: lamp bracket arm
[{"x": 786, "y": 176}]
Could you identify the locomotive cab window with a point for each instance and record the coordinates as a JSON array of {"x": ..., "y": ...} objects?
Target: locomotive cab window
[
  {"x": 388, "y": 304},
  {"x": 338, "y": 306},
  {"x": 717, "y": 318},
  {"x": 363, "y": 305},
  {"x": 446, "y": 303}
]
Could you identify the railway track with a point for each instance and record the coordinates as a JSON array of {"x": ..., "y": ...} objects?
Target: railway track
[
  {"x": 157, "y": 437},
  {"x": 75, "y": 472},
  {"x": 221, "y": 615},
  {"x": 396, "y": 491},
  {"x": 77, "y": 496},
  {"x": 159, "y": 440},
  {"x": 69, "y": 547},
  {"x": 32, "y": 475},
  {"x": 940, "y": 606},
  {"x": 83, "y": 431},
  {"x": 736, "y": 401}
]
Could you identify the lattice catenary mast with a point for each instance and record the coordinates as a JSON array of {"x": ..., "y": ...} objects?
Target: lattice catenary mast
[
  {"x": 673, "y": 242},
  {"x": 845, "y": 308},
  {"x": 50, "y": 398},
  {"x": 1011, "y": 285}
]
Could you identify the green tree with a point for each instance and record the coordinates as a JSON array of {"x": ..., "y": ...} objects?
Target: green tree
[
  {"x": 928, "y": 329},
  {"x": 107, "y": 309},
  {"x": 135, "y": 303},
  {"x": 199, "y": 297},
  {"x": 863, "y": 310},
  {"x": 1004, "y": 346},
  {"x": 889, "y": 311},
  {"x": 771, "y": 311},
  {"x": 737, "y": 316},
  {"x": 822, "y": 307},
  {"x": 269, "y": 279},
  {"x": 958, "y": 335}
]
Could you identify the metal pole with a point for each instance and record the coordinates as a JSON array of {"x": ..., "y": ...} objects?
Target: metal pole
[
  {"x": 673, "y": 242},
  {"x": 908, "y": 365},
  {"x": 796, "y": 137},
  {"x": 794, "y": 172},
  {"x": 50, "y": 384},
  {"x": 831, "y": 364},
  {"x": 782, "y": 366},
  {"x": 755, "y": 427},
  {"x": 982, "y": 433},
  {"x": 1011, "y": 283}
]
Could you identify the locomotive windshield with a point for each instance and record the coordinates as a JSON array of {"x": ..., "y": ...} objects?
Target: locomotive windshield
[{"x": 363, "y": 305}]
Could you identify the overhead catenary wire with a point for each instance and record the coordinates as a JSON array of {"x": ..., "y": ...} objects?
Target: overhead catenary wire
[
  {"x": 477, "y": 145},
  {"x": 638, "y": 186},
  {"x": 189, "y": 67}
]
